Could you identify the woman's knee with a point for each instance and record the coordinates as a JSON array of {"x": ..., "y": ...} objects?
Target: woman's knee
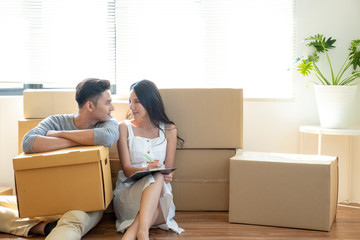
[{"x": 159, "y": 177}]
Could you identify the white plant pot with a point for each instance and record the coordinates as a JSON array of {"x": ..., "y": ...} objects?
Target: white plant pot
[{"x": 336, "y": 105}]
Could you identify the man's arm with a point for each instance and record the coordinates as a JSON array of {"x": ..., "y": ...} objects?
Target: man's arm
[
  {"x": 56, "y": 132},
  {"x": 82, "y": 137},
  {"x": 106, "y": 133},
  {"x": 63, "y": 139},
  {"x": 51, "y": 135},
  {"x": 46, "y": 144}
]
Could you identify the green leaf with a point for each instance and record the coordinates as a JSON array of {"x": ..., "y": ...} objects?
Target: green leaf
[
  {"x": 305, "y": 67},
  {"x": 355, "y": 53},
  {"x": 314, "y": 57},
  {"x": 320, "y": 43}
]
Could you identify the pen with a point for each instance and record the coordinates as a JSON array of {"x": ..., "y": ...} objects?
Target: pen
[{"x": 148, "y": 157}]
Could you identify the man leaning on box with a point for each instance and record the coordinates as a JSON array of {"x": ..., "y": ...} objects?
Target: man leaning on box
[{"x": 92, "y": 125}]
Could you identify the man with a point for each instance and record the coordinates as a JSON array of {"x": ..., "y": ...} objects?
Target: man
[{"x": 92, "y": 125}]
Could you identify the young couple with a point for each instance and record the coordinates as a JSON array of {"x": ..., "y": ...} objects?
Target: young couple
[{"x": 138, "y": 206}]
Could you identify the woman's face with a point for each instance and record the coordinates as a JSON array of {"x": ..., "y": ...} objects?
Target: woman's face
[{"x": 136, "y": 108}]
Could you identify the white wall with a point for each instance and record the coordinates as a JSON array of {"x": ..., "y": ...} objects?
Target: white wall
[
  {"x": 273, "y": 126},
  {"x": 270, "y": 126},
  {"x": 11, "y": 110}
]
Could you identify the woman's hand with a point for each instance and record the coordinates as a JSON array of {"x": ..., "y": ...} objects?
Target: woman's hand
[
  {"x": 168, "y": 178},
  {"x": 153, "y": 164}
]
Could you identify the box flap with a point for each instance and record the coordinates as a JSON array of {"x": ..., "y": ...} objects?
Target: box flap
[
  {"x": 68, "y": 156},
  {"x": 283, "y": 157}
]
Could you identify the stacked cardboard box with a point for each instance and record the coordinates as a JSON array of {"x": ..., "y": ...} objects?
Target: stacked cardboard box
[{"x": 211, "y": 123}]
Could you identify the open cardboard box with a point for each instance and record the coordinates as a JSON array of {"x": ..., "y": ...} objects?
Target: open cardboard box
[{"x": 55, "y": 182}]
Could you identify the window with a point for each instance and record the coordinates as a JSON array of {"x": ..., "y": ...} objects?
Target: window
[
  {"x": 175, "y": 43},
  {"x": 207, "y": 43},
  {"x": 53, "y": 43}
]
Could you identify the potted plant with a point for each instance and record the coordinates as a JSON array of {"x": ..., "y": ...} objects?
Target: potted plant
[{"x": 335, "y": 94}]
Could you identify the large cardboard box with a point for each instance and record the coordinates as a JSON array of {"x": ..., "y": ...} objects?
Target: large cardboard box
[
  {"x": 45, "y": 102},
  {"x": 201, "y": 179},
  {"x": 286, "y": 190},
  {"x": 55, "y": 182},
  {"x": 25, "y": 125},
  {"x": 206, "y": 118},
  {"x": 115, "y": 168},
  {"x": 121, "y": 111}
]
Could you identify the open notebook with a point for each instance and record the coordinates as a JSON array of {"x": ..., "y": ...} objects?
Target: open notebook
[{"x": 140, "y": 174}]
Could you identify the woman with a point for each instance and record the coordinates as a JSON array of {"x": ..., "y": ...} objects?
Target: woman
[{"x": 148, "y": 202}]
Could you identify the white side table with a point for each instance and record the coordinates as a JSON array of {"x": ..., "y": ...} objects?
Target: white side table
[
  {"x": 345, "y": 181},
  {"x": 327, "y": 131}
]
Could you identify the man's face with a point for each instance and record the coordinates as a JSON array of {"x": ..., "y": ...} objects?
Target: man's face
[{"x": 102, "y": 110}]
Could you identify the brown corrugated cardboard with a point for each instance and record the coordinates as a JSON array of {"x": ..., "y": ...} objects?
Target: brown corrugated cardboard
[
  {"x": 6, "y": 191},
  {"x": 43, "y": 103},
  {"x": 201, "y": 179},
  {"x": 206, "y": 118},
  {"x": 207, "y": 195},
  {"x": 25, "y": 125},
  {"x": 286, "y": 190},
  {"x": 115, "y": 168},
  {"x": 121, "y": 109},
  {"x": 114, "y": 152},
  {"x": 200, "y": 174},
  {"x": 55, "y": 182}
]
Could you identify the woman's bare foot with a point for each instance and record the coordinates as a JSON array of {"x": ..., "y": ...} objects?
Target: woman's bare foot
[{"x": 142, "y": 235}]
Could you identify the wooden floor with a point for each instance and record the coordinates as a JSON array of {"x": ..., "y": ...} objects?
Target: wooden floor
[{"x": 214, "y": 225}]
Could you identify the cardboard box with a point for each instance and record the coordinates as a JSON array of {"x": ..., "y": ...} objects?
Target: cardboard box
[
  {"x": 55, "y": 182},
  {"x": 201, "y": 179},
  {"x": 45, "y": 102},
  {"x": 207, "y": 195},
  {"x": 286, "y": 190},
  {"x": 200, "y": 174},
  {"x": 206, "y": 118},
  {"x": 115, "y": 166},
  {"x": 114, "y": 152},
  {"x": 121, "y": 109},
  {"x": 6, "y": 191},
  {"x": 25, "y": 125}
]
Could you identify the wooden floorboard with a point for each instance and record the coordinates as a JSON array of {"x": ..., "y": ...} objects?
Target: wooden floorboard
[{"x": 215, "y": 226}]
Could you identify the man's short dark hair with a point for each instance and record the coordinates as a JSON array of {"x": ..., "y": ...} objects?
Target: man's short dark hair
[{"x": 90, "y": 89}]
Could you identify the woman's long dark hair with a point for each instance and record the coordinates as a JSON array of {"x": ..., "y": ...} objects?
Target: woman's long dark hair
[{"x": 149, "y": 96}]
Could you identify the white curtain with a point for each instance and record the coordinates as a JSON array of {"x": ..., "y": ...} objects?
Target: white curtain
[{"x": 207, "y": 43}]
